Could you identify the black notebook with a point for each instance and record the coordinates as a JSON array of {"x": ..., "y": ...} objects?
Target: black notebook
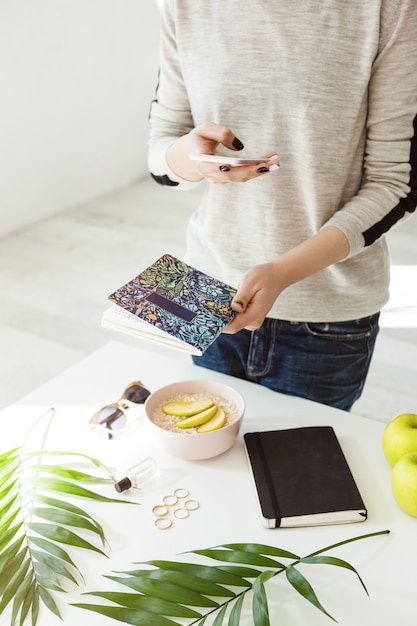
[{"x": 302, "y": 478}]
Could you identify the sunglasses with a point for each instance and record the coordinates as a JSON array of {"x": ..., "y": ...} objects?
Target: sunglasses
[{"x": 113, "y": 419}]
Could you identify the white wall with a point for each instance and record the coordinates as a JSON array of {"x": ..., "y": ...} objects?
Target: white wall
[{"x": 76, "y": 81}]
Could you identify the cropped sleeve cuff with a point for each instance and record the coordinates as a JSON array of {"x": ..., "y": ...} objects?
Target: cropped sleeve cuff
[{"x": 160, "y": 170}]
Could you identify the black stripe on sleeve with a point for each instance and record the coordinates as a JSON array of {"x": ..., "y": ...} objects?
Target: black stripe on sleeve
[
  {"x": 405, "y": 205},
  {"x": 163, "y": 179}
]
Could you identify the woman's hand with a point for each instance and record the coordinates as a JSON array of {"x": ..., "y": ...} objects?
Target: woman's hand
[
  {"x": 262, "y": 284},
  {"x": 205, "y": 139},
  {"x": 258, "y": 290}
]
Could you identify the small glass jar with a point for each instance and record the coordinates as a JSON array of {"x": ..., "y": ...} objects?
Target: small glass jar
[{"x": 138, "y": 475}]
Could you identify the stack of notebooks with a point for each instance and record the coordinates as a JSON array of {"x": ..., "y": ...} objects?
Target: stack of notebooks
[
  {"x": 172, "y": 303},
  {"x": 302, "y": 478}
]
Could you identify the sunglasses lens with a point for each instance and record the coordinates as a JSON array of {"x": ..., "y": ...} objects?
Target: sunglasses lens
[
  {"x": 112, "y": 417},
  {"x": 136, "y": 393}
]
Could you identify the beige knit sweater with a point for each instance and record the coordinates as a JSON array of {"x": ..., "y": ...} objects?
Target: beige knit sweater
[{"x": 331, "y": 85}]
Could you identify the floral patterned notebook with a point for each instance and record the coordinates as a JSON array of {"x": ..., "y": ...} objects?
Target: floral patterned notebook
[{"x": 173, "y": 303}]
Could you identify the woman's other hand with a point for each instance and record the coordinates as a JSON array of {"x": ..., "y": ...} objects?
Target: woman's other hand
[
  {"x": 258, "y": 290},
  {"x": 262, "y": 284}
]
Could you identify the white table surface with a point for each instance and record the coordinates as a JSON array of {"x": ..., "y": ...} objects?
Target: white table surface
[{"x": 228, "y": 510}]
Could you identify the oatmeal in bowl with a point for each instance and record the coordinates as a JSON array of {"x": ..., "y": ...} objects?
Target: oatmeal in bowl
[{"x": 195, "y": 419}]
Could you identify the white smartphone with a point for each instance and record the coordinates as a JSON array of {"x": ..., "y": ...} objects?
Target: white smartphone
[{"x": 230, "y": 160}]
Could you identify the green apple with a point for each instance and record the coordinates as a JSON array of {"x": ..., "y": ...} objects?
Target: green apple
[
  {"x": 186, "y": 408},
  {"x": 198, "y": 418},
  {"x": 217, "y": 421},
  {"x": 404, "y": 483},
  {"x": 400, "y": 437}
]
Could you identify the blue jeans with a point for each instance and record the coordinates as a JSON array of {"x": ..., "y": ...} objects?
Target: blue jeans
[{"x": 325, "y": 362}]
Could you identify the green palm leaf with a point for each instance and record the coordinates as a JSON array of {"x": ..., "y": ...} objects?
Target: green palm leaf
[
  {"x": 331, "y": 560},
  {"x": 195, "y": 581},
  {"x": 52, "y": 549},
  {"x": 6, "y": 485},
  {"x": 66, "y": 486},
  {"x": 47, "y": 599},
  {"x": 260, "y": 603},
  {"x": 238, "y": 556},
  {"x": 13, "y": 566},
  {"x": 21, "y": 602},
  {"x": 48, "y": 500},
  {"x": 72, "y": 474},
  {"x": 260, "y": 548},
  {"x": 219, "y": 619},
  {"x": 301, "y": 584},
  {"x": 64, "y": 517},
  {"x": 183, "y": 585},
  {"x": 8, "y": 519},
  {"x": 46, "y": 564},
  {"x": 216, "y": 574},
  {"x": 16, "y": 576},
  {"x": 8, "y": 554},
  {"x": 166, "y": 590},
  {"x": 148, "y": 603},
  {"x": 237, "y": 570},
  {"x": 78, "y": 455},
  {"x": 235, "y": 613},
  {"x": 8, "y": 535},
  {"x": 129, "y": 616},
  {"x": 36, "y": 522}
]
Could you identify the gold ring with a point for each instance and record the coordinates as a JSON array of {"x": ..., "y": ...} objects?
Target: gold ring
[
  {"x": 160, "y": 510},
  {"x": 191, "y": 505},
  {"x": 181, "y": 493},
  {"x": 163, "y": 523},
  {"x": 181, "y": 513},
  {"x": 170, "y": 500}
]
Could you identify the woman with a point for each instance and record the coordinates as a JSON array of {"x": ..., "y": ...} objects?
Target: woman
[{"x": 331, "y": 87}]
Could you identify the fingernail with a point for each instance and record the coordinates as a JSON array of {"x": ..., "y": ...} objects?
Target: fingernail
[
  {"x": 273, "y": 167},
  {"x": 262, "y": 170},
  {"x": 224, "y": 168},
  {"x": 237, "y": 144}
]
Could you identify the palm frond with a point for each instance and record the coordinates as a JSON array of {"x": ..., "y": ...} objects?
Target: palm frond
[
  {"x": 166, "y": 590},
  {"x": 36, "y": 522}
]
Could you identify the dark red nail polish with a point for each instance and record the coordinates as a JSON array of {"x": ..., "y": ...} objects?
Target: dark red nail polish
[
  {"x": 224, "y": 168},
  {"x": 262, "y": 170}
]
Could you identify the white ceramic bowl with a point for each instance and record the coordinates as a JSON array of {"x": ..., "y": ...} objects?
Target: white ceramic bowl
[{"x": 194, "y": 446}]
